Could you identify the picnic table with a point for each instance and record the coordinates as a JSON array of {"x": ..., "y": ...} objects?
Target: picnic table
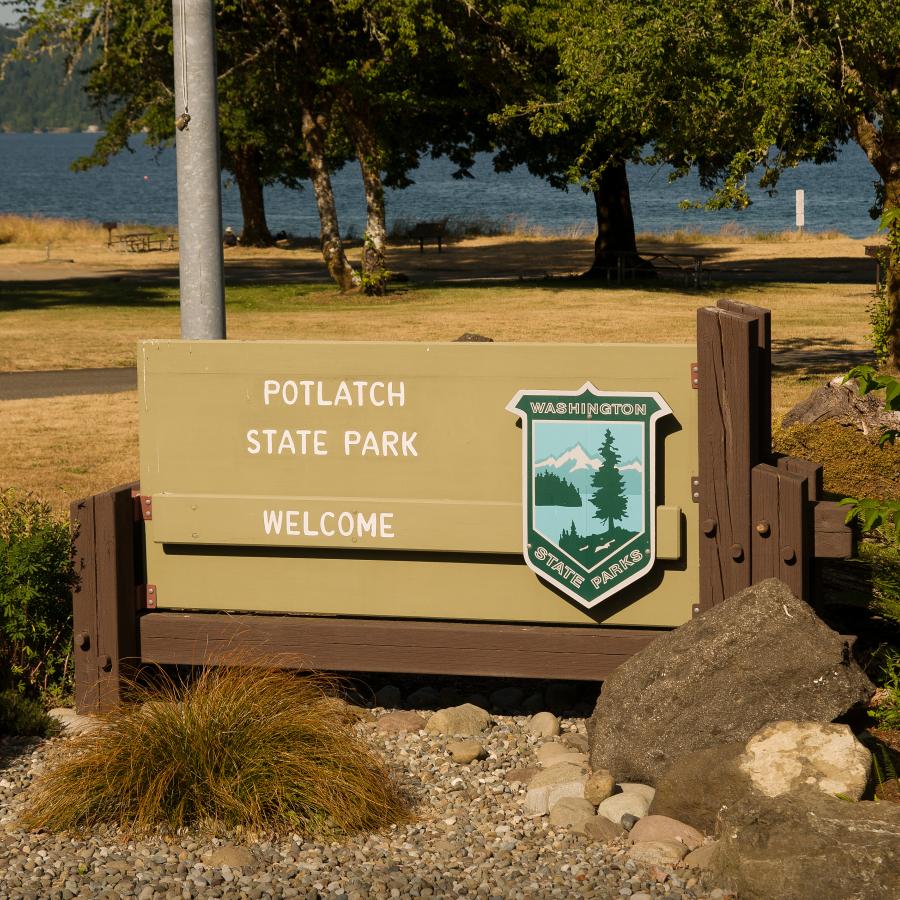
[
  {"x": 686, "y": 264},
  {"x": 144, "y": 241},
  {"x": 429, "y": 231}
]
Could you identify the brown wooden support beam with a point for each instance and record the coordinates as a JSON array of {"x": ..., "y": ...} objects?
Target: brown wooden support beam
[{"x": 388, "y": 645}]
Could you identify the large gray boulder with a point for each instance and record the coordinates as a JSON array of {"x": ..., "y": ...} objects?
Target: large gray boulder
[
  {"x": 759, "y": 657},
  {"x": 808, "y": 846},
  {"x": 781, "y": 758}
]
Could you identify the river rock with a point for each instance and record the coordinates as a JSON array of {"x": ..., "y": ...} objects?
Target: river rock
[
  {"x": 664, "y": 828},
  {"x": 464, "y": 752},
  {"x": 616, "y": 806},
  {"x": 543, "y": 724},
  {"x": 551, "y": 785},
  {"x": 599, "y": 786},
  {"x": 573, "y": 812},
  {"x": 657, "y": 853},
  {"x": 576, "y": 741},
  {"x": 400, "y": 720},
  {"x": 761, "y": 656},
  {"x": 553, "y": 753},
  {"x": 790, "y": 756},
  {"x": 71, "y": 722},
  {"x": 634, "y": 787},
  {"x": 602, "y": 829},
  {"x": 232, "y": 856},
  {"x": 809, "y": 846},
  {"x": 467, "y": 720},
  {"x": 702, "y": 857}
]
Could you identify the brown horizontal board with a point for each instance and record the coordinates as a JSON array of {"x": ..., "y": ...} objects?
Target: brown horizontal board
[
  {"x": 388, "y": 645},
  {"x": 833, "y": 538}
]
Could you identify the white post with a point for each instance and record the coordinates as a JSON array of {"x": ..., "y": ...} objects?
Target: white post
[
  {"x": 201, "y": 266},
  {"x": 801, "y": 214}
]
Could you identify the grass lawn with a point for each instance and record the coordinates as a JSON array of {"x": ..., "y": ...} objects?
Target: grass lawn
[{"x": 65, "y": 448}]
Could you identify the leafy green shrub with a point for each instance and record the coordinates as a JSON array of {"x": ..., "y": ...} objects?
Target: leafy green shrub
[
  {"x": 261, "y": 750},
  {"x": 883, "y": 559},
  {"x": 885, "y": 670},
  {"x": 24, "y": 716},
  {"x": 36, "y": 576}
]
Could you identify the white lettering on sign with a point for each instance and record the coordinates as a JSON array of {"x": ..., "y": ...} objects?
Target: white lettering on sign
[
  {"x": 303, "y": 523},
  {"x": 346, "y": 393},
  {"x": 589, "y": 409},
  {"x": 383, "y": 444},
  {"x": 278, "y": 441}
]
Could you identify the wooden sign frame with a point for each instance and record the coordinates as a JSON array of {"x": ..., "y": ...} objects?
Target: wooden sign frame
[{"x": 759, "y": 517}]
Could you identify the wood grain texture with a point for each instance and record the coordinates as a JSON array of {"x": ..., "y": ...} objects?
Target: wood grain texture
[
  {"x": 795, "y": 533},
  {"x": 388, "y": 645},
  {"x": 727, "y": 344},
  {"x": 763, "y": 365},
  {"x": 84, "y": 608},
  {"x": 833, "y": 538},
  {"x": 765, "y": 537}
]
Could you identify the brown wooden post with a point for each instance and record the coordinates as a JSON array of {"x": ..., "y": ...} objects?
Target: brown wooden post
[
  {"x": 763, "y": 364},
  {"x": 105, "y": 608},
  {"x": 765, "y": 537},
  {"x": 794, "y": 533},
  {"x": 729, "y": 447},
  {"x": 84, "y": 608}
]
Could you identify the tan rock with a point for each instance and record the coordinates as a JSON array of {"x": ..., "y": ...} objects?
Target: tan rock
[
  {"x": 602, "y": 829},
  {"x": 232, "y": 856},
  {"x": 663, "y": 828},
  {"x": 616, "y": 806},
  {"x": 467, "y": 720},
  {"x": 551, "y": 785},
  {"x": 522, "y": 775},
  {"x": 464, "y": 752},
  {"x": 599, "y": 786},
  {"x": 543, "y": 724},
  {"x": 701, "y": 858},
  {"x": 572, "y": 812},
  {"x": 400, "y": 720},
  {"x": 551, "y": 754},
  {"x": 787, "y": 756},
  {"x": 657, "y": 853}
]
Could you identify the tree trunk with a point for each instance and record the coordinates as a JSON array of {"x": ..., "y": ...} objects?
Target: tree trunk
[
  {"x": 374, "y": 270},
  {"x": 253, "y": 206},
  {"x": 339, "y": 267},
  {"x": 615, "y": 224},
  {"x": 892, "y": 274}
]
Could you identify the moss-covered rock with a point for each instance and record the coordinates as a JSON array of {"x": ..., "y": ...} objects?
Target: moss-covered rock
[{"x": 854, "y": 465}]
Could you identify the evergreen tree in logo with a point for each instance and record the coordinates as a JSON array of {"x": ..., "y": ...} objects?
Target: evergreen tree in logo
[{"x": 609, "y": 486}]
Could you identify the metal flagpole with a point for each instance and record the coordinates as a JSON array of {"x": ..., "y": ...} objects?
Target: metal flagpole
[{"x": 201, "y": 266}]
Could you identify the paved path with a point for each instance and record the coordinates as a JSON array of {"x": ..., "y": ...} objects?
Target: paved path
[{"x": 29, "y": 385}]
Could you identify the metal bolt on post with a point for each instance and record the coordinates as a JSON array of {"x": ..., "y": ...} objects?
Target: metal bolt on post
[{"x": 201, "y": 268}]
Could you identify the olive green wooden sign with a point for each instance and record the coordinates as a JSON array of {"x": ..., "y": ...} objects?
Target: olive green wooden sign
[
  {"x": 589, "y": 487},
  {"x": 385, "y": 479}
]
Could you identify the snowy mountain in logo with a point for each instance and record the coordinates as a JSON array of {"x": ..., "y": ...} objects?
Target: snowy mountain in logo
[
  {"x": 574, "y": 459},
  {"x": 577, "y": 466}
]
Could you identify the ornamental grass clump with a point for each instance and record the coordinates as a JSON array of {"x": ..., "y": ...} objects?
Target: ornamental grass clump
[{"x": 258, "y": 750}]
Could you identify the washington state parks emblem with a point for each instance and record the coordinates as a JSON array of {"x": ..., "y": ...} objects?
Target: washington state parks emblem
[{"x": 589, "y": 487}]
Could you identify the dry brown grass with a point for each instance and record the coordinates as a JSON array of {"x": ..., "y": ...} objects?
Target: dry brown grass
[
  {"x": 34, "y": 231},
  {"x": 65, "y": 448},
  {"x": 257, "y": 749}
]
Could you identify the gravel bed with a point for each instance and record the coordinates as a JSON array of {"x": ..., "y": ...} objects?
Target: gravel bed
[{"x": 469, "y": 838}]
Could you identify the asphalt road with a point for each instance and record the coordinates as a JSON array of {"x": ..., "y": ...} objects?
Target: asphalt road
[{"x": 29, "y": 385}]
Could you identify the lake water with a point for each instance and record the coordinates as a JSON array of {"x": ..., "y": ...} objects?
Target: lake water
[{"x": 140, "y": 187}]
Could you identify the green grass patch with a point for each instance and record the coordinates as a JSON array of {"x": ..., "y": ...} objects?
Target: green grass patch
[{"x": 260, "y": 750}]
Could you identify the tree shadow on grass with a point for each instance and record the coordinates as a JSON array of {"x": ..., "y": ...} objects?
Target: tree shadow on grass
[
  {"x": 104, "y": 293},
  {"x": 814, "y": 356}
]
